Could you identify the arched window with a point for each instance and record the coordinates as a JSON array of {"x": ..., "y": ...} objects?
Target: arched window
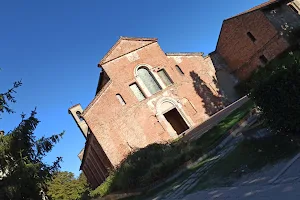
[
  {"x": 78, "y": 113},
  {"x": 121, "y": 100},
  {"x": 148, "y": 80},
  {"x": 251, "y": 36},
  {"x": 179, "y": 70},
  {"x": 137, "y": 91},
  {"x": 165, "y": 77}
]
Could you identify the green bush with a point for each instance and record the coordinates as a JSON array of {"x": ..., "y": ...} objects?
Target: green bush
[
  {"x": 148, "y": 164},
  {"x": 152, "y": 163},
  {"x": 276, "y": 91},
  {"x": 145, "y": 166},
  {"x": 104, "y": 188}
]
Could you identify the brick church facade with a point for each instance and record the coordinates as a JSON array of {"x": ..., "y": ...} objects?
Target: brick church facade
[{"x": 144, "y": 96}]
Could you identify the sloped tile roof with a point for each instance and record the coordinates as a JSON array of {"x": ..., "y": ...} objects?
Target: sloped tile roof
[{"x": 263, "y": 5}]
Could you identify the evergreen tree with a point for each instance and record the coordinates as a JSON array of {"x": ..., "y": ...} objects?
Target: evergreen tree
[{"x": 23, "y": 173}]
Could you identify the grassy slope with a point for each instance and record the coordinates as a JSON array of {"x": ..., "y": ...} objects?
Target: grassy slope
[{"x": 217, "y": 132}]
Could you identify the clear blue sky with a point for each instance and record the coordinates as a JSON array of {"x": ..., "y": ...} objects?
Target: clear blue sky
[{"x": 54, "y": 47}]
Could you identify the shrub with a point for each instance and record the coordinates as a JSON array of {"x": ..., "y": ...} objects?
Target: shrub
[
  {"x": 156, "y": 161},
  {"x": 134, "y": 171},
  {"x": 276, "y": 91},
  {"x": 104, "y": 188}
]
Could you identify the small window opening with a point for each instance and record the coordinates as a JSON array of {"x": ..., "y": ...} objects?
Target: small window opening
[
  {"x": 293, "y": 8},
  {"x": 121, "y": 100},
  {"x": 165, "y": 77},
  {"x": 252, "y": 38},
  {"x": 137, "y": 91},
  {"x": 263, "y": 59},
  {"x": 78, "y": 113},
  {"x": 179, "y": 70}
]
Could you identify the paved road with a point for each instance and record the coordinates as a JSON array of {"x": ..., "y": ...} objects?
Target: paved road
[
  {"x": 292, "y": 174},
  {"x": 257, "y": 186},
  {"x": 288, "y": 191}
]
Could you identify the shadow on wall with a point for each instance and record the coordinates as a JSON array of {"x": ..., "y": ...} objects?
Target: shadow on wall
[{"x": 211, "y": 102}]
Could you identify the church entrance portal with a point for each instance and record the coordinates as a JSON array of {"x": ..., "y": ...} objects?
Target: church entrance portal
[{"x": 176, "y": 121}]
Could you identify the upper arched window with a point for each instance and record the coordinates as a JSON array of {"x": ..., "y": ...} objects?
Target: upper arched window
[
  {"x": 78, "y": 113},
  {"x": 164, "y": 76},
  {"x": 148, "y": 79}
]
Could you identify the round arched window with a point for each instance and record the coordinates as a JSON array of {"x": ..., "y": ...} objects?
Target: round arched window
[
  {"x": 78, "y": 113},
  {"x": 148, "y": 79}
]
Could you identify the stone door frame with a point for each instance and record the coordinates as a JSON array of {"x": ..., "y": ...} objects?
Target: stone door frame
[{"x": 161, "y": 111}]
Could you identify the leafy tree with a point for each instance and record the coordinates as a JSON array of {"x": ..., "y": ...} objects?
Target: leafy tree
[
  {"x": 65, "y": 186},
  {"x": 24, "y": 173},
  {"x": 276, "y": 91}
]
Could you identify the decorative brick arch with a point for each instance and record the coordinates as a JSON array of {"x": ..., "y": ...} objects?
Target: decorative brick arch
[
  {"x": 166, "y": 104},
  {"x": 164, "y": 100},
  {"x": 139, "y": 66}
]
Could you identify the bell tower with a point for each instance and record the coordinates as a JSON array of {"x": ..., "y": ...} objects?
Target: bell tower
[{"x": 76, "y": 112}]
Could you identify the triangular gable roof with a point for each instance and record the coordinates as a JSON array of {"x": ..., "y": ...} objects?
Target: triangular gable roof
[{"x": 126, "y": 45}]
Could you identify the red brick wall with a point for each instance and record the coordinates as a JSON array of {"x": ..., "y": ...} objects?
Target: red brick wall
[
  {"x": 271, "y": 51},
  {"x": 95, "y": 164},
  {"x": 239, "y": 51},
  {"x": 90, "y": 178},
  {"x": 119, "y": 129}
]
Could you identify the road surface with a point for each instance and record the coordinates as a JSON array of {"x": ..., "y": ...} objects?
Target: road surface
[
  {"x": 258, "y": 187},
  {"x": 288, "y": 191}
]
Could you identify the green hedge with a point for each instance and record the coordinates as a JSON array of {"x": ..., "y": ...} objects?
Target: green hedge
[
  {"x": 104, "y": 188},
  {"x": 145, "y": 166},
  {"x": 276, "y": 91}
]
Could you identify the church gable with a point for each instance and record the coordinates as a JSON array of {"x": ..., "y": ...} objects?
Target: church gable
[{"x": 124, "y": 46}]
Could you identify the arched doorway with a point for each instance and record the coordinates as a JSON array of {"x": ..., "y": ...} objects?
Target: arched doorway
[
  {"x": 172, "y": 115},
  {"x": 176, "y": 120}
]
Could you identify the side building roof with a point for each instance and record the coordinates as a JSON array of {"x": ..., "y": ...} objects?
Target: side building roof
[
  {"x": 258, "y": 7},
  {"x": 255, "y": 8}
]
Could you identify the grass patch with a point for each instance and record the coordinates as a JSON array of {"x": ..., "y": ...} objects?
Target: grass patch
[
  {"x": 147, "y": 166},
  {"x": 249, "y": 156},
  {"x": 216, "y": 133}
]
